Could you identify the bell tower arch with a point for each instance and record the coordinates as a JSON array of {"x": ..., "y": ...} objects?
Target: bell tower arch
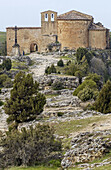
[{"x": 49, "y": 23}]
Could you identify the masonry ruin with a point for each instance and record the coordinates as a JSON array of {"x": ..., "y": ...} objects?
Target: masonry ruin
[{"x": 70, "y": 30}]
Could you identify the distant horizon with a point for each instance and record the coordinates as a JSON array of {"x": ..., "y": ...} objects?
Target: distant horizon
[{"x": 26, "y": 13}]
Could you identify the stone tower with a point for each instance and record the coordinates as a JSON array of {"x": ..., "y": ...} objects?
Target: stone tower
[{"x": 49, "y": 23}]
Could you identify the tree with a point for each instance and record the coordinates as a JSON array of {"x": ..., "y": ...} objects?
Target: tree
[
  {"x": 80, "y": 53},
  {"x": 3, "y": 78},
  {"x": 79, "y": 74},
  {"x": 25, "y": 102},
  {"x": 7, "y": 64},
  {"x": 87, "y": 83},
  {"x": 83, "y": 52},
  {"x": 29, "y": 147},
  {"x": 103, "y": 102},
  {"x": 60, "y": 63},
  {"x": 96, "y": 78}
]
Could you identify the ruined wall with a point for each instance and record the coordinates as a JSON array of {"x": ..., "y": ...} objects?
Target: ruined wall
[
  {"x": 25, "y": 37},
  {"x": 73, "y": 34},
  {"x": 97, "y": 39}
]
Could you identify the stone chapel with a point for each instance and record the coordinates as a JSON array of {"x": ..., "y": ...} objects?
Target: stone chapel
[{"x": 70, "y": 30}]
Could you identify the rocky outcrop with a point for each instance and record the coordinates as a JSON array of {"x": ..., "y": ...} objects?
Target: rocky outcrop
[
  {"x": 69, "y": 82},
  {"x": 86, "y": 147}
]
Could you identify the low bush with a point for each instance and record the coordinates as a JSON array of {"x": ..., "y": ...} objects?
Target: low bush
[
  {"x": 87, "y": 94},
  {"x": 50, "y": 69},
  {"x": 1, "y": 103},
  {"x": 96, "y": 78},
  {"x": 8, "y": 83},
  {"x": 86, "y": 84},
  {"x": 29, "y": 147},
  {"x": 57, "y": 85},
  {"x": 5, "y": 81},
  {"x": 3, "y": 78},
  {"x": 7, "y": 64},
  {"x": 60, "y": 63},
  {"x": 54, "y": 163},
  {"x": 71, "y": 69},
  {"x": 60, "y": 114}
]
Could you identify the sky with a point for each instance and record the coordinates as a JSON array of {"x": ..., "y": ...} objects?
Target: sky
[{"x": 27, "y": 12}]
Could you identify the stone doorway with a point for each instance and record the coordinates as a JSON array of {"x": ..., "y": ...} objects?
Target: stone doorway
[{"x": 33, "y": 47}]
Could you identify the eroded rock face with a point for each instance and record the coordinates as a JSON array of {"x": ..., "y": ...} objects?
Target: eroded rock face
[{"x": 86, "y": 147}]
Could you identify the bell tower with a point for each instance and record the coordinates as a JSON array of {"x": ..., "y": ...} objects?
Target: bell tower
[{"x": 49, "y": 23}]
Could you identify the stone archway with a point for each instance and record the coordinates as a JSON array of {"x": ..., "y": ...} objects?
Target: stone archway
[{"x": 33, "y": 47}]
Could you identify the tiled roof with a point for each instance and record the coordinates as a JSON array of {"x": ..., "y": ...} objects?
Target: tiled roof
[
  {"x": 74, "y": 15},
  {"x": 96, "y": 27}
]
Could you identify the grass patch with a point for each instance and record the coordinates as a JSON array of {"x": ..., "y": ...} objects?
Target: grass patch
[
  {"x": 67, "y": 57},
  {"x": 39, "y": 168},
  {"x": 19, "y": 66},
  {"x": 65, "y": 128},
  {"x": 107, "y": 167},
  {"x": 51, "y": 95},
  {"x": 34, "y": 168}
]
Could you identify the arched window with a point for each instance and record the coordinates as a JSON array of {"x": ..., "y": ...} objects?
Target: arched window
[
  {"x": 46, "y": 17},
  {"x": 52, "y": 17}
]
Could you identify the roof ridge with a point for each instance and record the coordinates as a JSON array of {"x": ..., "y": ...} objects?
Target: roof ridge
[{"x": 77, "y": 13}]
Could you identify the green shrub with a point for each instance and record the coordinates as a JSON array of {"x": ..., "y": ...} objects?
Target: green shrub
[
  {"x": 79, "y": 74},
  {"x": 71, "y": 69},
  {"x": 30, "y": 147},
  {"x": 54, "y": 163},
  {"x": 50, "y": 69},
  {"x": 95, "y": 77},
  {"x": 60, "y": 114},
  {"x": 57, "y": 85},
  {"x": 80, "y": 53},
  {"x": 3, "y": 78},
  {"x": 60, "y": 63},
  {"x": 88, "y": 84},
  {"x": 103, "y": 102},
  {"x": 87, "y": 94},
  {"x": 1, "y": 103},
  {"x": 83, "y": 52},
  {"x": 7, "y": 64},
  {"x": 8, "y": 83}
]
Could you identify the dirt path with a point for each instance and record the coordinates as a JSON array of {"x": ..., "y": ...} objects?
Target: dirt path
[{"x": 41, "y": 62}]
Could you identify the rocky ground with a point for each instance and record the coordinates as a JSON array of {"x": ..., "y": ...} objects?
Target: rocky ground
[{"x": 89, "y": 140}]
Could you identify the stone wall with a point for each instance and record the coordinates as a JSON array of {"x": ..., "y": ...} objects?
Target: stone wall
[
  {"x": 25, "y": 37},
  {"x": 97, "y": 39},
  {"x": 73, "y": 34}
]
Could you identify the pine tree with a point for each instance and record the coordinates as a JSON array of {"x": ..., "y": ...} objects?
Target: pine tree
[
  {"x": 103, "y": 102},
  {"x": 25, "y": 102}
]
